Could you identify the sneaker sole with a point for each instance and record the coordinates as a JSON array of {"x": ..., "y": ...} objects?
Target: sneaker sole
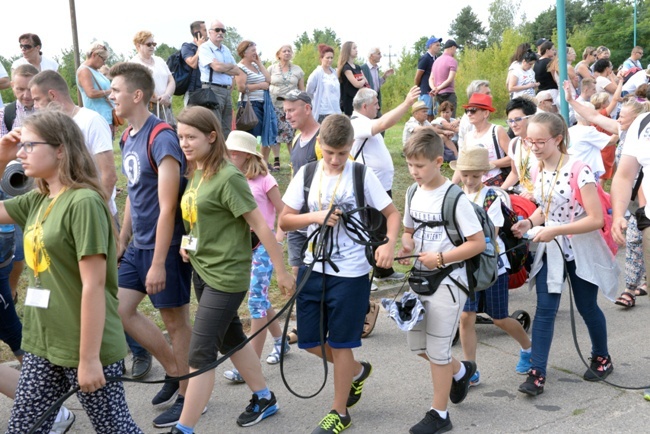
[
  {"x": 593, "y": 380},
  {"x": 357, "y": 401},
  {"x": 266, "y": 413},
  {"x": 168, "y": 424},
  {"x": 233, "y": 380},
  {"x": 69, "y": 421},
  {"x": 169, "y": 401},
  {"x": 446, "y": 428},
  {"x": 474, "y": 384},
  {"x": 531, "y": 392}
]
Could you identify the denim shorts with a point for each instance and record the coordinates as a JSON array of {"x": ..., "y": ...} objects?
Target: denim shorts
[
  {"x": 135, "y": 265},
  {"x": 344, "y": 313}
]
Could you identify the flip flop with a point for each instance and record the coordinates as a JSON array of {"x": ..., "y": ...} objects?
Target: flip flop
[
  {"x": 626, "y": 299},
  {"x": 371, "y": 319},
  {"x": 641, "y": 290}
]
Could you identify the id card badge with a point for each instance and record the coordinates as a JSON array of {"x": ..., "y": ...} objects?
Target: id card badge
[
  {"x": 37, "y": 297},
  {"x": 188, "y": 242}
]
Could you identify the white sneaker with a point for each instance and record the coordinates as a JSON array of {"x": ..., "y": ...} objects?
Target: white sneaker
[
  {"x": 64, "y": 420},
  {"x": 373, "y": 286}
]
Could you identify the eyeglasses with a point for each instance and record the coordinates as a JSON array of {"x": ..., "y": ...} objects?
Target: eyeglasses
[
  {"x": 26, "y": 46},
  {"x": 151, "y": 44},
  {"x": 29, "y": 146},
  {"x": 471, "y": 110},
  {"x": 539, "y": 143},
  {"x": 517, "y": 120},
  {"x": 101, "y": 56},
  {"x": 219, "y": 29}
]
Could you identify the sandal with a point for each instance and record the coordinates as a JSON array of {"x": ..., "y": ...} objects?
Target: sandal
[
  {"x": 293, "y": 336},
  {"x": 626, "y": 299},
  {"x": 371, "y": 319},
  {"x": 276, "y": 164},
  {"x": 641, "y": 290}
]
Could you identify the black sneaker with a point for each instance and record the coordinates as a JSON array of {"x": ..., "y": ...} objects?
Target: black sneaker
[
  {"x": 431, "y": 424},
  {"x": 357, "y": 385},
  {"x": 333, "y": 423},
  {"x": 257, "y": 410},
  {"x": 141, "y": 366},
  {"x": 175, "y": 431},
  {"x": 170, "y": 416},
  {"x": 534, "y": 384},
  {"x": 600, "y": 368},
  {"x": 167, "y": 394},
  {"x": 460, "y": 388}
]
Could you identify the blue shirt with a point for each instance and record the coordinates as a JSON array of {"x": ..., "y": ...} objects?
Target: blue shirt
[
  {"x": 101, "y": 104},
  {"x": 143, "y": 182},
  {"x": 188, "y": 49},
  {"x": 207, "y": 52}
]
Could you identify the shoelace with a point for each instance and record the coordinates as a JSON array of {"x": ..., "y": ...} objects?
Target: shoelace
[{"x": 331, "y": 420}]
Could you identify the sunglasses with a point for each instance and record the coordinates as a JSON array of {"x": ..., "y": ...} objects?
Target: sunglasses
[
  {"x": 26, "y": 46},
  {"x": 151, "y": 44},
  {"x": 219, "y": 29},
  {"x": 471, "y": 110}
]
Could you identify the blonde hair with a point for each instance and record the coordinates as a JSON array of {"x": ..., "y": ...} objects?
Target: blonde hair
[
  {"x": 254, "y": 167},
  {"x": 599, "y": 100},
  {"x": 141, "y": 37},
  {"x": 277, "y": 53},
  {"x": 556, "y": 127}
]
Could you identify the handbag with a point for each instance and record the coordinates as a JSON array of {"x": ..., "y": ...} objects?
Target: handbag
[
  {"x": 426, "y": 282},
  {"x": 204, "y": 97},
  {"x": 117, "y": 121},
  {"x": 246, "y": 118},
  {"x": 642, "y": 221}
]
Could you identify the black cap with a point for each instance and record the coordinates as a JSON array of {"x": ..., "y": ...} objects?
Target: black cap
[
  {"x": 296, "y": 95},
  {"x": 540, "y": 41},
  {"x": 450, "y": 43}
]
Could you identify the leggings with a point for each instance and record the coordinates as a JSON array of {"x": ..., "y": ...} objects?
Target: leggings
[
  {"x": 634, "y": 264},
  {"x": 42, "y": 383}
]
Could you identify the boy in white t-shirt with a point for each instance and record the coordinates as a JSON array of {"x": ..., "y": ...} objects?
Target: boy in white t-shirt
[
  {"x": 432, "y": 337},
  {"x": 586, "y": 142},
  {"x": 348, "y": 288},
  {"x": 472, "y": 164}
]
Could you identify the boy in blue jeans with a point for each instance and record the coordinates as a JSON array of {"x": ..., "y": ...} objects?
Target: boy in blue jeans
[
  {"x": 348, "y": 289},
  {"x": 432, "y": 337}
]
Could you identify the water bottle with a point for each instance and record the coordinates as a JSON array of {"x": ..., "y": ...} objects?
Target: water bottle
[
  {"x": 519, "y": 219},
  {"x": 489, "y": 248},
  {"x": 7, "y": 229}
]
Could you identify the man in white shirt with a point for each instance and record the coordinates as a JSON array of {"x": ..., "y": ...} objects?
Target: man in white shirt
[
  {"x": 370, "y": 70},
  {"x": 30, "y": 45}
]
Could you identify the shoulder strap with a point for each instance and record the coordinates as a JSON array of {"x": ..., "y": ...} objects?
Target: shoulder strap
[
  {"x": 490, "y": 197},
  {"x": 361, "y": 148},
  {"x": 497, "y": 148},
  {"x": 637, "y": 185},
  {"x": 410, "y": 192},
  {"x": 10, "y": 115},
  {"x": 573, "y": 180},
  {"x": 358, "y": 184},
  {"x": 449, "y": 203},
  {"x": 308, "y": 177},
  {"x": 160, "y": 126},
  {"x": 643, "y": 124},
  {"x": 125, "y": 135}
]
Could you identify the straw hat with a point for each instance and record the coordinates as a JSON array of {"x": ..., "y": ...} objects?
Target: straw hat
[
  {"x": 480, "y": 101},
  {"x": 243, "y": 142},
  {"x": 419, "y": 105},
  {"x": 474, "y": 158}
]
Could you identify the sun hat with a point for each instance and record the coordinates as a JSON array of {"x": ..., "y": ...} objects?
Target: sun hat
[
  {"x": 473, "y": 158},
  {"x": 481, "y": 101},
  {"x": 243, "y": 142},
  {"x": 419, "y": 105}
]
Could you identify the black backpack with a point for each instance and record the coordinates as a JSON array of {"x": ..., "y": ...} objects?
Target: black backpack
[
  {"x": 10, "y": 115},
  {"x": 181, "y": 72}
]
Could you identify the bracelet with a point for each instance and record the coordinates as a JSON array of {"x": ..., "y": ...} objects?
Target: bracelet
[{"x": 532, "y": 225}]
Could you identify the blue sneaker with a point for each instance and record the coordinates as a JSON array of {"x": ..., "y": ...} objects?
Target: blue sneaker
[
  {"x": 475, "y": 380},
  {"x": 524, "y": 364},
  {"x": 257, "y": 410}
]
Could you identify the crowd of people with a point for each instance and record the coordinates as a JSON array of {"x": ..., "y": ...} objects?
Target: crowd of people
[{"x": 187, "y": 170}]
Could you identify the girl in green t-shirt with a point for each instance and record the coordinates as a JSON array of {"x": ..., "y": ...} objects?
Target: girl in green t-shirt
[
  {"x": 72, "y": 334},
  {"x": 219, "y": 211}
]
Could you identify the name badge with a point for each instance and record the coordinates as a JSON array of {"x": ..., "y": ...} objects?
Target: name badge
[
  {"x": 37, "y": 297},
  {"x": 189, "y": 242}
]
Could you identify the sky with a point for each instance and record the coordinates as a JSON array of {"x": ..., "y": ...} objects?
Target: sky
[{"x": 269, "y": 24}]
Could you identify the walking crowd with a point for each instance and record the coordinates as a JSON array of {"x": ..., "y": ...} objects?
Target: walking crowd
[{"x": 201, "y": 190}]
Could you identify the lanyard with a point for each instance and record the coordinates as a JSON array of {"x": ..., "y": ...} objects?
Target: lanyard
[
  {"x": 37, "y": 233},
  {"x": 190, "y": 197},
  {"x": 320, "y": 187},
  {"x": 549, "y": 197},
  {"x": 477, "y": 193},
  {"x": 524, "y": 172}
]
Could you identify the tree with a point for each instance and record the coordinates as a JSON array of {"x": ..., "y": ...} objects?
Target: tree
[
  {"x": 232, "y": 39},
  {"x": 420, "y": 46},
  {"x": 467, "y": 29},
  {"x": 504, "y": 14},
  {"x": 164, "y": 51},
  {"x": 577, "y": 13},
  {"x": 326, "y": 36}
]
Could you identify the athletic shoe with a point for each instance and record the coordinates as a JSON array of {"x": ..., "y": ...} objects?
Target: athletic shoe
[
  {"x": 476, "y": 379},
  {"x": 357, "y": 385},
  {"x": 257, "y": 410},
  {"x": 175, "y": 431},
  {"x": 600, "y": 368},
  {"x": 460, "y": 388},
  {"x": 167, "y": 394},
  {"x": 171, "y": 416},
  {"x": 534, "y": 384},
  {"x": 524, "y": 365},
  {"x": 274, "y": 357},
  {"x": 141, "y": 366},
  {"x": 333, "y": 423},
  {"x": 64, "y": 420},
  {"x": 431, "y": 424},
  {"x": 234, "y": 376},
  {"x": 373, "y": 287},
  {"x": 394, "y": 276}
]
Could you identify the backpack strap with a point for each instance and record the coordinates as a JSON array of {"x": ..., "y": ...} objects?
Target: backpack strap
[
  {"x": 497, "y": 148},
  {"x": 157, "y": 129},
  {"x": 490, "y": 197},
  {"x": 308, "y": 177},
  {"x": 449, "y": 203},
  {"x": 358, "y": 184},
  {"x": 125, "y": 136},
  {"x": 10, "y": 115}
]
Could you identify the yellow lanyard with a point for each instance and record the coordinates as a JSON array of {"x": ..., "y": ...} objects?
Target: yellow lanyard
[
  {"x": 320, "y": 186},
  {"x": 524, "y": 172},
  {"x": 38, "y": 229},
  {"x": 549, "y": 197},
  {"x": 477, "y": 193},
  {"x": 189, "y": 202}
]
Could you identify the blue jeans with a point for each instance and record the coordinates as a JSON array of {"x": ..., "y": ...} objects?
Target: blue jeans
[
  {"x": 11, "y": 330},
  {"x": 584, "y": 294},
  {"x": 137, "y": 349}
]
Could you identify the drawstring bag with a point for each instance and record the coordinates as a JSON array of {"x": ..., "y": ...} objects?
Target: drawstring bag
[{"x": 246, "y": 118}]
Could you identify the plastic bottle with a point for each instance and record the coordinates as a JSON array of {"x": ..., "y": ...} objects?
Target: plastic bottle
[
  {"x": 6, "y": 229},
  {"x": 489, "y": 248},
  {"x": 519, "y": 219}
]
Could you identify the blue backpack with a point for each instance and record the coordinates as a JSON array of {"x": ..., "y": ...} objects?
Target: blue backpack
[{"x": 181, "y": 72}]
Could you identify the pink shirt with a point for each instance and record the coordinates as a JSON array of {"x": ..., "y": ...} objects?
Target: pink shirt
[
  {"x": 441, "y": 69},
  {"x": 260, "y": 187}
]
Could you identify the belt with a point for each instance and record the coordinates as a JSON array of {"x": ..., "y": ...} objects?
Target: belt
[{"x": 218, "y": 85}]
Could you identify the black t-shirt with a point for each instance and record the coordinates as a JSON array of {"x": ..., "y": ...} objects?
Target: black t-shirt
[
  {"x": 544, "y": 77},
  {"x": 348, "y": 91}
]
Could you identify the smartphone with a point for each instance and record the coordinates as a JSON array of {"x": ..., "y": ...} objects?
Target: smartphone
[{"x": 197, "y": 35}]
